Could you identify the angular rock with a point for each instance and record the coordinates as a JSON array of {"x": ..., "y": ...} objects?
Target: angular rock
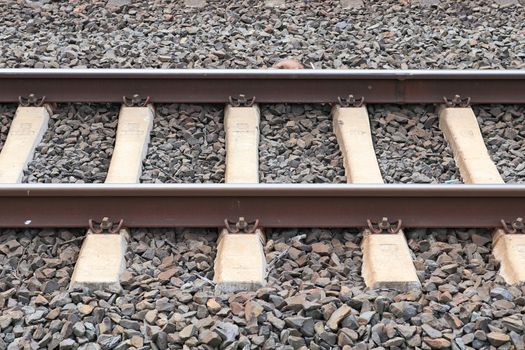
[
  {"x": 337, "y": 317},
  {"x": 497, "y": 338}
]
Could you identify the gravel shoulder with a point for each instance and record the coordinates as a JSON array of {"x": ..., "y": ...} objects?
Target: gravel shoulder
[
  {"x": 77, "y": 146},
  {"x": 314, "y": 297},
  {"x": 225, "y": 34},
  {"x": 503, "y": 129},
  {"x": 409, "y": 145}
]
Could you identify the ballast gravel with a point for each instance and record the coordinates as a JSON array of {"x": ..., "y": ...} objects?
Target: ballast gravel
[
  {"x": 315, "y": 297},
  {"x": 186, "y": 145},
  {"x": 7, "y": 113},
  {"x": 297, "y": 145},
  {"x": 77, "y": 146},
  {"x": 503, "y": 129},
  {"x": 225, "y": 34},
  {"x": 409, "y": 145}
]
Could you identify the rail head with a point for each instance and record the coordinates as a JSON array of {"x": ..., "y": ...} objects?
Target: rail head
[
  {"x": 261, "y": 190},
  {"x": 287, "y": 74}
]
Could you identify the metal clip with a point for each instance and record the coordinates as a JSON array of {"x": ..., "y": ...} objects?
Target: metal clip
[
  {"x": 457, "y": 101},
  {"x": 384, "y": 226},
  {"x": 351, "y": 101},
  {"x": 241, "y": 226},
  {"x": 241, "y": 101},
  {"x": 105, "y": 226},
  {"x": 135, "y": 101},
  {"x": 513, "y": 227},
  {"x": 31, "y": 101}
]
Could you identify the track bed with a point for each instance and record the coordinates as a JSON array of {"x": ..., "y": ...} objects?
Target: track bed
[{"x": 208, "y": 240}]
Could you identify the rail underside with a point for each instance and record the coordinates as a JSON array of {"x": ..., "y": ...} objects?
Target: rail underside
[
  {"x": 425, "y": 206},
  {"x": 267, "y": 86}
]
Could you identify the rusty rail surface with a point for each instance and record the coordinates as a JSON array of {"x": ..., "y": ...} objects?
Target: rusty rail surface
[
  {"x": 267, "y": 86},
  {"x": 274, "y": 205}
]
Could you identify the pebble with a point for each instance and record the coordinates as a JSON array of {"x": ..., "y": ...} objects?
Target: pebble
[
  {"x": 498, "y": 338},
  {"x": 210, "y": 338},
  {"x": 403, "y": 309},
  {"x": 437, "y": 343},
  {"x": 227, "y": 331},
  {"x": 188, "y": 332},
  {"x": 321, "y": 248},
  {"x": 213, "y": 306},
  {"x": 67, "y": 344},
  {"x": 107, "y": 341},
  {"x": 337, "y": 317},
  {"x": 500, "y": 293},
  {"x": 431, "y": 332}
]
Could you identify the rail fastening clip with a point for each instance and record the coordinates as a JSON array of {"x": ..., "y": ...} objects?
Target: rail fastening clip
[
  {"x": 241, "y": 101},
  {"x": 515, "y": 226},
  {"x": 457, "y": 101},
  {"x": 384, "y": 226},
  {"x": 351, "y": 101},
  {"x": 31, "y": 100},
  {"x": 135, "y": 101},
  {"x": 105, "y": 226},
  {"x": 241, "y": 226}
]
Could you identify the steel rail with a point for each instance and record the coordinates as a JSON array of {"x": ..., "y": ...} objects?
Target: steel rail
[
  {"x": 181, "y": 205},
  {"x": 267, "y": 86}
]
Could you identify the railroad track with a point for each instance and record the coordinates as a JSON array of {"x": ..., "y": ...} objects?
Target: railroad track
[{"x": 242, "y": 207}]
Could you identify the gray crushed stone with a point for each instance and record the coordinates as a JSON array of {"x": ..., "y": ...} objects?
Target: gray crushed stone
[
  {"x": 7, "y": 113},
  {"x": 297, "y": 145},
  {"x": 167, "y": 301},
  {"x": 225, "y": 34},
  {"x": 187, "y": 145},
  {"x": 77, "y": 146},
  {"x": 315, "y": 297},
  {"x": 503, "y": 129},
  {"x": 409, "y": 145}
]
